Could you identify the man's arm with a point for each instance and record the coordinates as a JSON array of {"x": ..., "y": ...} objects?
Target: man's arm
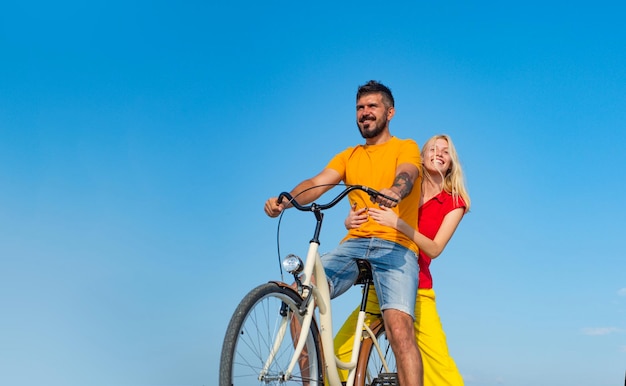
[
  {"x": 305, "y": 192},
  {"x": 406, "y": 175}
]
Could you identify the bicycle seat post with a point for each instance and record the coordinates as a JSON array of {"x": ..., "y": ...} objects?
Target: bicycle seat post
[
  {"x": 365, "y": 278},
  {"x": 366, "y": 290}
]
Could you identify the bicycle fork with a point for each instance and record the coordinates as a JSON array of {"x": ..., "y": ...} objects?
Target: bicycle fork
[{"x": 280, "y": 336}]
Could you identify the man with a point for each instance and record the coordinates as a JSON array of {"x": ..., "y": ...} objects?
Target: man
[{"x": 391, "y": 166}]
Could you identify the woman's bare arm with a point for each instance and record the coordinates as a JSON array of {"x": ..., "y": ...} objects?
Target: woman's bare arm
[{"x": 432, "y": 248}]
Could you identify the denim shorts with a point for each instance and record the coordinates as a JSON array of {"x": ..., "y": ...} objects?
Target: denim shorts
[{"x": 394, "y": 268}]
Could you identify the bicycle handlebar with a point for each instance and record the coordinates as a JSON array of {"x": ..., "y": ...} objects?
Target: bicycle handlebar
[{"x": 312, "y": 207}]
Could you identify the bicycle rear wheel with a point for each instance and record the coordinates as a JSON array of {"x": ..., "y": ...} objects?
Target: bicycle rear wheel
[
  {"x": 372, "y": 370},
  {"x": 253, "y": 334}
]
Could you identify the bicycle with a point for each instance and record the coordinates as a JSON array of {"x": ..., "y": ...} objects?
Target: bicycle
[{"x": 281, "y": 334}]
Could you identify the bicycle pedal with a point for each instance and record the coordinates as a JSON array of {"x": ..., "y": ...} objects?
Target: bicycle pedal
[{"x": 386, "y": 379}]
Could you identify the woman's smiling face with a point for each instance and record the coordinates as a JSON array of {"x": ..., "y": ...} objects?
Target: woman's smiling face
[{"x": 438, "y": 158}]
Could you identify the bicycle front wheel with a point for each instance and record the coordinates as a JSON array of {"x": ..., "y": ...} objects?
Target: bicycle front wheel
[
  {"x": 377, "y": 367},
  {"x": 261, "y": 338}
]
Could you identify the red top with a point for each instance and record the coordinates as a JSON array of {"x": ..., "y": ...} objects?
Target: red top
[{"x": 429, "y": 221}]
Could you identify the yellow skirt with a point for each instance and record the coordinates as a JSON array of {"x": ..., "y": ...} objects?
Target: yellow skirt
[{"x": 439, "y": 367}]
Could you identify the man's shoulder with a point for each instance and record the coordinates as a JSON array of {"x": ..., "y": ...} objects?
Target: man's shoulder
[
  {"x": 404, "y": 144},
  {"x": 404, "y": 140},
  {"x": 351, "y": 149}
]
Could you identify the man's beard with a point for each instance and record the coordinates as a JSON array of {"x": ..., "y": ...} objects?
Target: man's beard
[{"x": 373, "y": 132}]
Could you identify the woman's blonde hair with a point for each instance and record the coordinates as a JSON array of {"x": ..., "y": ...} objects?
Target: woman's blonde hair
[{"x": 454, "y": 180}]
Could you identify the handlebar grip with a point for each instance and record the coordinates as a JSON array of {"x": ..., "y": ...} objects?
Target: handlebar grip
[
  {"x": 291, "y": 200},
  {"x": 280, "y": 197},
  {"x": 389, "y": 198},
  {"x": 374, "y": 193}
]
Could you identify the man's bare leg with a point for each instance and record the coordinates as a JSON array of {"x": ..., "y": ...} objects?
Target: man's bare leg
[{"x": 399, "y": 328}]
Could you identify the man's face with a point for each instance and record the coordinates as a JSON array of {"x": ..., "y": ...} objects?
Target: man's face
[{"x": 372, "y": 116}]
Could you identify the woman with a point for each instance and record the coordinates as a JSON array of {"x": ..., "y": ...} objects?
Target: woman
[{"x": 443, "y": 203}]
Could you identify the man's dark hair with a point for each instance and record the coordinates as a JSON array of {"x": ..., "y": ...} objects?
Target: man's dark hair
[{"x": 372, "y": 87}]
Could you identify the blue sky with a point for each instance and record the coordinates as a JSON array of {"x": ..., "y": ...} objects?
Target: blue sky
[{"x": 139, "y": 141}]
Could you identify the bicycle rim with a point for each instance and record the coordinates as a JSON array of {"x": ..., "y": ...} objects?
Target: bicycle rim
[
  {"x": 374, "y": 372},
  {"x": 253, "y": 335}
]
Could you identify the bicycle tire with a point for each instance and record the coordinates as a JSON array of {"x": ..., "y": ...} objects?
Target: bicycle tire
[
  {"x": 251, "y": 334},
  {"x": 370, "y": 369}
]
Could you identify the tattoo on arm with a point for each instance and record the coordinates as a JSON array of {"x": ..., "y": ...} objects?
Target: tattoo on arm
[{"x": 404, "y": 184}]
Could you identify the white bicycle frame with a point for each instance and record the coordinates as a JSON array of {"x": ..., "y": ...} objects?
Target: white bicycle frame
[{"x": 321, "y": 299}]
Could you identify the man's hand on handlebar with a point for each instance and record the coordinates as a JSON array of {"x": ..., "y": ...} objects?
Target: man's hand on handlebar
[
  {"x": 273, "y": 208},
  {"x": 386, "y": 202}
]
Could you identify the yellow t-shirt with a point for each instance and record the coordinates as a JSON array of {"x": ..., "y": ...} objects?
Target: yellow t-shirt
[{"x": 375, "y": 166}]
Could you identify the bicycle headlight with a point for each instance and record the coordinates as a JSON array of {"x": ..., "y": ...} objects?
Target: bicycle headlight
[{"x": 293, "y": 264}]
